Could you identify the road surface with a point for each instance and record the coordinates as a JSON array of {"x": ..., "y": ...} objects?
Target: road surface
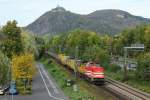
[{"x": 44, "y": 88}]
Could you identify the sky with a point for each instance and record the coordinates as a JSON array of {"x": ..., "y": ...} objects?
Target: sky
[{"x": 27, "y": 11}]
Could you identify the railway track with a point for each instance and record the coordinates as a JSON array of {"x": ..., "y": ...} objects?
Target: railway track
[
  {"x": 123, "y": 91},
  {"x": 130, "y": 92}
]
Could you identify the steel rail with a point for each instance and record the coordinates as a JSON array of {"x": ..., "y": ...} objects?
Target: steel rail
[
  {"x": 122, "y": 86},
  {"x": 128, "y": 89}
]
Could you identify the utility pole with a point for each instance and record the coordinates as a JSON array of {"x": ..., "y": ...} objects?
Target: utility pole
[
  {"x": 75, "y": 69},
  {"x": 76, "y": 58},
  {"x": 125, "y": 64},
  {"x": 12, "y": 97},
  {"x": 59, "y": 48}
]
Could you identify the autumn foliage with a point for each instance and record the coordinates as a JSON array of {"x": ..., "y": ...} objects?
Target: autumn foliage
[{"x": 23, "y": 66}]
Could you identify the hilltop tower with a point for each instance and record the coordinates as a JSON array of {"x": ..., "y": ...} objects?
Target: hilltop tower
[{"x": 58, "y": 9}]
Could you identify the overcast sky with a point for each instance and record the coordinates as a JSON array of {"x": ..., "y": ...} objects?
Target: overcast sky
[{"x": 26, "y": 11}]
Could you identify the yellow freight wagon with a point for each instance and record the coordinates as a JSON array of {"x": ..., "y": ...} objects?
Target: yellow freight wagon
[
  {"x": 62, "y": 58},
  {"x": 71, "y": 63}
]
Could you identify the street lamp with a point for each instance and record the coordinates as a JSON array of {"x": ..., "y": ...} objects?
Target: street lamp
[{"x": 133, "y": 47}]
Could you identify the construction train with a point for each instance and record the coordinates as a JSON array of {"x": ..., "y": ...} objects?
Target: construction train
[{"x": 89, "y": 70}]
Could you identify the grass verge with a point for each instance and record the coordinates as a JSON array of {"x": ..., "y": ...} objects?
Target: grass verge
[
  {"x": 85, "y": 91},
  {"x": 61, "y": 76}
]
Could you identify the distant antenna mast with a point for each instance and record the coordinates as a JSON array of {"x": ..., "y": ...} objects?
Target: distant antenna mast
[{"x": 58, "y": 3}]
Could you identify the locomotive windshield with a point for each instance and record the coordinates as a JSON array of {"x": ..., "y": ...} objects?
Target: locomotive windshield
[{"x": 92, "y": 64}]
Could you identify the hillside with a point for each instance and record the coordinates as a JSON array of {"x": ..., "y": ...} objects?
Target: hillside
[{"x": 102, "y": 21}]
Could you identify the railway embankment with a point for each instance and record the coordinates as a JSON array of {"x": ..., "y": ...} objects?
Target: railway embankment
[
  {"x": 84, "y": 90},
  {"x": 121, "y": 90}
]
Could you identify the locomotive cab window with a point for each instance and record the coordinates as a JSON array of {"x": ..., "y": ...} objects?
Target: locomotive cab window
[{"x": 92, "y": 64}]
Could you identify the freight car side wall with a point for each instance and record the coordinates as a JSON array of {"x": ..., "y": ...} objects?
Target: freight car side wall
[{"x": 71, "y": 64}]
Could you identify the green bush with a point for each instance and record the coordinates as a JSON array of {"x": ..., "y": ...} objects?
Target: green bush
[
  {"x": 114, "y": 68},
  {"x": 24, "y": 91},
  {"x": 143, "y": 68},
  {"x": 4, "y": 68}
]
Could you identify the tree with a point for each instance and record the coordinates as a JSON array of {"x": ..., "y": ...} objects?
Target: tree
[
  {"x": 143, "y": 69},
  {"x": 147, "y": 38},
  {"x": 81, "y": 39},
  {"x": 2, "y": 37},
  {"x": 23, "y": 70},
  {"x": 4, "y": 68},
  {"x": 29, "y": 44},
  {"x": 137, "y": 35},
  {"x": 97, "y": 54},
  {"x": 40, "y": 44},
  {"x": 117, "y": 45},
  {"x": 23, "y": 66},
  {"x": 84, "y": 45},
  {"x": 12, "y": 44}
]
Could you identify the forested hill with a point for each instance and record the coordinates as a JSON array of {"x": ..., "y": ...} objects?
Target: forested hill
[{"x": 102, "y": 21}]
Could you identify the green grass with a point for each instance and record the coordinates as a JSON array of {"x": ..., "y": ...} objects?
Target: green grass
[
  {"x": 132, "y": 81},
  {"x": 60, "y": 75},
  {"x": 116, "y": 76}
]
